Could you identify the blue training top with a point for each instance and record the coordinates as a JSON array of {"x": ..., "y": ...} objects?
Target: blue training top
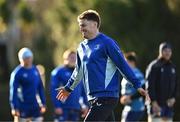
[
  {"x": 99, "y": 62},
  {"x": 26, "y": 89},
  {"x": 59, "y": 77}
]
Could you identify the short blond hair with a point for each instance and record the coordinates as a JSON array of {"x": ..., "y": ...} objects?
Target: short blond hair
[
  {"x": 90, "y": 15},
  {"x": 67, "y": 53}
]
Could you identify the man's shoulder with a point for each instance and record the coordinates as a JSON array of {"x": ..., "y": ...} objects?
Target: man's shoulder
[
  {"x": 172, "y": 64},
  {"x": 155, "y": 64},
  {"x": 17, "y": 69},
  {"x": 57, "y": 70},
  {"x": 107, "y": 38}
]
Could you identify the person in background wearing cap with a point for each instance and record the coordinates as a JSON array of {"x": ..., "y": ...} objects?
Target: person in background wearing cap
[
  {"x": 70, "y": 109},
  {"x": 134, "y": 103},
  {"x": 27, "y": 98},
  {"x": 162, "y": 85}
]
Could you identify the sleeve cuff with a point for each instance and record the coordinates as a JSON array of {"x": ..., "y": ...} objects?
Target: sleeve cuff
[
  {"x": 138, "y": 85},
  {"x": 68, "y": 89}
]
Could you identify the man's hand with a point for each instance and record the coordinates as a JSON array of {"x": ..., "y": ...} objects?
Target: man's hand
[
  {"x": 43, "y": 109},
  {"x": 171, "y": 102},
  {"x": 63, "y": 94},
  {"x": 84, "y": 112},
  {"x": 58, "y": 111},
  {"x": 15, "y": 112},
  {"x": 125, "y": 99},
  {"x": 144, "y": 93},
  {"x": 156, "y": 108}
]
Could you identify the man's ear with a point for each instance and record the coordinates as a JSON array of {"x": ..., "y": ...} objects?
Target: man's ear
[{"x": 95, "y": 23}]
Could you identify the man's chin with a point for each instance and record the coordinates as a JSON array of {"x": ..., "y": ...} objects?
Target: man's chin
[{"x": 84, "y": 36}]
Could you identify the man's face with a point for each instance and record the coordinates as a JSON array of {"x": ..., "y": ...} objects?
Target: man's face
[
  {"x": 71, "y": 60},
  {"x": 88, "y": 28},
  {"x": 28, "y": 61},
  {"x": 166, "y": 53}
]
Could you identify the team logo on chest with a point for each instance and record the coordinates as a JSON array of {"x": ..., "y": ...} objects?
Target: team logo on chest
[
  {"x": 97, "y": 47},
  {"x": 36, "y": 73},
  {"x": 173, "y": 71},
  {"x": 162, "y": 69},
  {"x": 67, "y": 74},
  {"x": 25, "y": 75}
]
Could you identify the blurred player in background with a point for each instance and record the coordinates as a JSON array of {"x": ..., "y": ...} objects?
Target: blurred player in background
[
  {"x": 27, "y": 98},
  {"x": 162, "y": 85},
  {"x": 76, "y": 104},
  {"x": 134, "y": 103},
  {"x": 99, "y": 64}
]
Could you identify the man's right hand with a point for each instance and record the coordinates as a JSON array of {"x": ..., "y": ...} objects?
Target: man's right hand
[
  {"x": 145, "y": 94},
  {"x": 58, "y": 111},
  {"x": 125, "y": 99},
  {"x": 63, "y": 94},
  {"x": 156, "y": 108},
  {"x": 15, "y": 112}
]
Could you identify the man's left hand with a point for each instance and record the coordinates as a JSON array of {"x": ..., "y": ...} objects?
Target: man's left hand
[
  {"x": 144, "y": 93},
  {"x": 43, "y": 109}
]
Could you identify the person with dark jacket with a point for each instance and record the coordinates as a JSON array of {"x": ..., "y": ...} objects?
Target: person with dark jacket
[{"x": 162, "y": 85}]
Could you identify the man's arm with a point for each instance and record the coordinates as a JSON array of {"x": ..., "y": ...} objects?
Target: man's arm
[
  {"x": 115, "y": 54},
  {"x": 117, "y": 57},
  {"x": 175, "y": 93},
  {"x": 72, "y": 82},
  {"x": 41, "y": 91},
  {"x": 14, "y": 84},
  {"x": 151, "y": 75},
  {"x": 41, "y": 99},
  {"x": 76, "y": 76}
]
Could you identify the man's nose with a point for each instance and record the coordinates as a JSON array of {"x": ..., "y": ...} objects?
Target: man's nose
[{"x": 81, "y": 29}]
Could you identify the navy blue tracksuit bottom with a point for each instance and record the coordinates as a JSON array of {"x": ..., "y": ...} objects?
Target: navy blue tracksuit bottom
[{"x": 102, "y": 109}]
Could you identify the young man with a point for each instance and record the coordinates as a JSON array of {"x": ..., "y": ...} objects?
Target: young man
[
  {"x": 134, "y": 103},
  {"x": 162, "y": 85},
  {"x": 99, "y": 61},
  {"x": 71, "y": 109},
  {"x": 27, "y": 98}
]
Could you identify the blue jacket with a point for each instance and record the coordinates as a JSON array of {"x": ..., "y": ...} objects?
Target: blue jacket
[
  {"x": 137, "y": 104},
  {"x": 99, "y": 62},
  {"x": 59, "y": 77},
  {"x": 26, "y": 89}
]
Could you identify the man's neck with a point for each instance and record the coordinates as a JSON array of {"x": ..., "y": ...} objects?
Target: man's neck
[
  {"x": 26, "y": 66},
  {"x": 94, "y": 35}
]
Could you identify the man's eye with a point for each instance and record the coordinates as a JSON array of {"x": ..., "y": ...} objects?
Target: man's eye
[{"x": 82, "y": 25}]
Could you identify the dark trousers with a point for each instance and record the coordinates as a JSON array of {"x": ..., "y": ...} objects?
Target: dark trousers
[
  {"x": 102, "y": 109},
  {"x": 68, "y": 115},
  {"x": 134, "y": 116}
]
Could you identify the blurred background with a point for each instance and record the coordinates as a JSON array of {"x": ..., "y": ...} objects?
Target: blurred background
[{"x": 49, "y": 27}]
